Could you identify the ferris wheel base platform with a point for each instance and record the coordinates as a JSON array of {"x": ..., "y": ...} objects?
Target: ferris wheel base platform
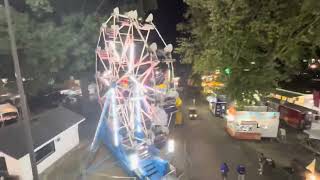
[{"x": 151, "y": 168}]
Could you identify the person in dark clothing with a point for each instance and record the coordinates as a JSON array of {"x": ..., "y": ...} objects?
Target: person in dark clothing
[
  {"x": 241, "y": 169},
  {"x": 224, "y": 169}
]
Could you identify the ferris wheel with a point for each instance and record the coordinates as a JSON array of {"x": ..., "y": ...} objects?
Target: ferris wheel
[{"x": 126, "y": 63}]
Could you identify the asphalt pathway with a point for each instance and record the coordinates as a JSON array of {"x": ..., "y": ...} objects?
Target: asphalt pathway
[{"x": 202, "y": 145}]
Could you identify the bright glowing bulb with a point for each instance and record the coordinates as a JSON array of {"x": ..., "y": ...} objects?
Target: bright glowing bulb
[
  {"x": 115, "y": 119},
  {"x": 138, "y": 110},
  {"x": 313, "y": 66},
  {"x": 131, "y": 56},
  {"x": 171, "y": 146},
  {"x": 134, "y": 161},
  {"x": 230, "y": 118},
  {"x": 4, "y": 80},
  {"x": 138, "y": 129},
  {"x": 312, "y": 177}
]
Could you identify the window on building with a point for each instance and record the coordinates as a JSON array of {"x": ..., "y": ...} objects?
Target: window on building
[
  {"x": 44, "y": 152},
  {"x": 3, "y": 167}
]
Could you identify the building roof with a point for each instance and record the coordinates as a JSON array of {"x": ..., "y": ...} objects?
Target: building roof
[
  {"x": 290, "y": 94},
  {"x": 44, "y": 127},
  {"x": 12, "y": 142}
]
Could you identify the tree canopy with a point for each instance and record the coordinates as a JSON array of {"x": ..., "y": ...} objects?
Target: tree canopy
[
  {"x": 261, "y": 42},
  {"x": 56, "y": 40}
]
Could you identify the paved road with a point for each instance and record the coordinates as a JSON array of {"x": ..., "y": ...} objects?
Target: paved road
[{"x": 202, "y": 145}]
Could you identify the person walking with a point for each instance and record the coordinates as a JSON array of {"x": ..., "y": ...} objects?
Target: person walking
[
  {"x": 194, "y": 101},
  {"x": 241, "y": 169},
  {"x": 224, "y": 169},
  {"x": 262, "y": 161}
]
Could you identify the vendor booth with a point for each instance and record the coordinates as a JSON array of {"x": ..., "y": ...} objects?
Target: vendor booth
[
  {"x": 217, "y": 105},
  {"x": 254, "y": 122}
]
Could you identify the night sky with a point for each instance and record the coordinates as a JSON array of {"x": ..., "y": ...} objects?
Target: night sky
[{"x": 167, "y": 16}]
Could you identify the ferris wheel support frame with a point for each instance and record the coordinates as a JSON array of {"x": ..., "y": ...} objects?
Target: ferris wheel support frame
[{"x": 124, "y": 87}]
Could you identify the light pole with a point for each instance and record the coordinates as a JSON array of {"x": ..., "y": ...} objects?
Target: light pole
[{"x": 25, "y": 114}]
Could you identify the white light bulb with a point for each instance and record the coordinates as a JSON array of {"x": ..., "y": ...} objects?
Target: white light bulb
[
  {"x": 134, "y": 161},
  {"x": 171, "y": 146}
]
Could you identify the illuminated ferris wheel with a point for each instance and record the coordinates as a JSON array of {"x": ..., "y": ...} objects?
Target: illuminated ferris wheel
[{"x": 126, "y": 63}]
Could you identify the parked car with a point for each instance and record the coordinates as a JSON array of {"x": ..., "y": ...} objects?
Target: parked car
[{"x": 8, "y": 114}]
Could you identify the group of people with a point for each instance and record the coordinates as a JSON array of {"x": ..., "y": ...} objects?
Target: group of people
[{"x": 241, "y": 170}]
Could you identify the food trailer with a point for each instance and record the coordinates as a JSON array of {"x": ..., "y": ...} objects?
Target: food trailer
[
  {"x": 254, "y": 122},
  {"x": 296, "y": 116},
  {"x": 296, "y": 109}
]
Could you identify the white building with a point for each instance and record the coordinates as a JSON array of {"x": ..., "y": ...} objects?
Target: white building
[{"x": 54, "y": 133}]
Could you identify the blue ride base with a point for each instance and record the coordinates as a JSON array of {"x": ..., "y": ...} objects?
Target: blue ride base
[
  {"x": 149, "y": 165},
  {"x": 153, "y": 167}
]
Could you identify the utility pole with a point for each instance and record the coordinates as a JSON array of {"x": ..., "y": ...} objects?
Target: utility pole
[{"x": 25, "y": 114}]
